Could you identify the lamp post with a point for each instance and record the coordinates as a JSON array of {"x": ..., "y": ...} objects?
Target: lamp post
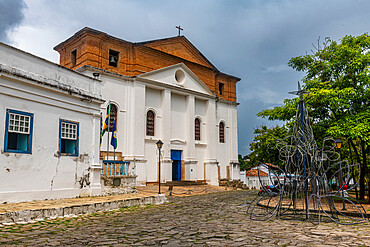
[
  {"x": 338, "y": 145},
  {"x": 159, "y": 146}
]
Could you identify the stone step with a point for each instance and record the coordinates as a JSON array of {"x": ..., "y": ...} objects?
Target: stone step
[{"x": 183, "y": 183}]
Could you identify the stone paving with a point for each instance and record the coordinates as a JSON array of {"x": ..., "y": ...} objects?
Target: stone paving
[
  {"x": 216, "y": 219},
  {"x": 143, "y": 191}
]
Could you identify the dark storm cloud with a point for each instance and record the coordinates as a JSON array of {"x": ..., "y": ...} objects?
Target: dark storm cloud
[
  {"x": 11, "y": 15},
  {"x": 251, "y": 39}
]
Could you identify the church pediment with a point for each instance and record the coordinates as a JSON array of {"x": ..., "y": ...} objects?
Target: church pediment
[
  {"x": 178, "y": 75},
  {"x": 180, "y": 47}
]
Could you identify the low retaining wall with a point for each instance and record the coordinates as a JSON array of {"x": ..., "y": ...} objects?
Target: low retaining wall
[
  {"x": 40, "y": 214},
  {"x": 125, "y": 185}
]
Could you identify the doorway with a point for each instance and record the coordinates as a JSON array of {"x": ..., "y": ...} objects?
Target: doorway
[{"x": 176, "y": 165}]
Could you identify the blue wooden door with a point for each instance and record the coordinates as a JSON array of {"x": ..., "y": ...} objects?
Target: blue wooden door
[{"x": 176, "y": 165}]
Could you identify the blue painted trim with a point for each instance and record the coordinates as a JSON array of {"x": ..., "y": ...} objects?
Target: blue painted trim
[
  {"x": 175, "y": 154},
  {"x": 29, "y": 146},
  {"x": 109, "y": 170},
  {"x": 116, "y": 161},
  {"x": 176, "y": 157},
  {"x": 60, "y": 139}
]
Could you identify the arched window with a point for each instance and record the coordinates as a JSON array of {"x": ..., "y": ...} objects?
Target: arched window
[
  {"x": 197, "y": 129},
  {"x": 222, "y": 132},
  {"x": 150, "y": 116},
  {"x": 113, "y": 116}
]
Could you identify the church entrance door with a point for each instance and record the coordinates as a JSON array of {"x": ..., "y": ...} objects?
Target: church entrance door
[{"x": 176, "y": 165}]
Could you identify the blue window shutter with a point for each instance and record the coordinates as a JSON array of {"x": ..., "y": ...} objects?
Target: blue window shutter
[
  {"x": 68, "y": 147},
  {"x": 22, "y": 142},
  {"x": 18, "y": 142}
]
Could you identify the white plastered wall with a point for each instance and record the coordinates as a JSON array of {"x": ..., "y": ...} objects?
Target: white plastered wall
[
  {"x": 44, "y": 174},
  {"x": 51, "y": 92}
]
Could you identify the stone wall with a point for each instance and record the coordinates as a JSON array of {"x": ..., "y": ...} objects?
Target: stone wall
[{"x": 118, "y": 185}]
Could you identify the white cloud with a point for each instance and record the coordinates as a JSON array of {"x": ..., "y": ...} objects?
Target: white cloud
[{"x": 277, "y": 69}]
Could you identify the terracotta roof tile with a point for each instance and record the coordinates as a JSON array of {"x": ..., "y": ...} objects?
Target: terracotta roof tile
[{"x": 254, "y": 173}]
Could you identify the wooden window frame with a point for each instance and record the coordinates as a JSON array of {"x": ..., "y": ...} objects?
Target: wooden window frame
[
  {"x": 150, "y": 123},
  {"x": 197, "y": 129},
  {"x": 221, "y": 131},
  {"x": 113, "y": 116},
  {"x": 9, "y": 132},
  {"x": 75, "y": 139}
]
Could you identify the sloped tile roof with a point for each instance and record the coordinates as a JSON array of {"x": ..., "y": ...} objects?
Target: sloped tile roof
[{"x": 254, "y": 173}]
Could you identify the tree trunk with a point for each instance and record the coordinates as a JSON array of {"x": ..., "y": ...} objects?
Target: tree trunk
[
  {"x": 363, "y": 149},
  {"x": 354, "y": 181},
  {"x": 362, "y": 171},
  {"x": 353, "y": 171}
]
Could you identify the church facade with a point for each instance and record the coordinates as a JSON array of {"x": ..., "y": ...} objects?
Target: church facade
[{"x": 161, "y": 90}]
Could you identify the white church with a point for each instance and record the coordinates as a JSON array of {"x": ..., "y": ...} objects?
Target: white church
[
  {"x": 172, "y": 105},
  {"x": 166, "y": 90},
  {"x": 163, "y": 89}
]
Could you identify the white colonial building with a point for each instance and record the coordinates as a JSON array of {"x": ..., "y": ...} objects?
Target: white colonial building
[
  {"x": 162, "y": 89},
  {"x": 171, "y": 104},
  {"x": 49, "y": 129}
]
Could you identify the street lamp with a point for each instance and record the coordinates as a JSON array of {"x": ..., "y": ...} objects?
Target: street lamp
[
  {"x": 338, "y": 145},
  {"x": 159, "y": 146}
]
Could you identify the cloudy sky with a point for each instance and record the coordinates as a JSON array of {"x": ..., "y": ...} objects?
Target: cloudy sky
[{"x": 251, "y": 39}]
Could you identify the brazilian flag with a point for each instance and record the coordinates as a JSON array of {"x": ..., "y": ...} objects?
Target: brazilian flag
[
  {"x": 113, "y": 141},
  {"x": 105, "y": 127}
]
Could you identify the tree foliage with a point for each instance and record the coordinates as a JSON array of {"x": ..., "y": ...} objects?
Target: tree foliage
[
  {"x": 244, "y": 162},
  {"x": 264, "y": 145},
  {"x": 337, "y": 77}
]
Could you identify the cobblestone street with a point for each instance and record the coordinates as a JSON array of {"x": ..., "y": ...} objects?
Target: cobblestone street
[{"x": 217, "y": 219}]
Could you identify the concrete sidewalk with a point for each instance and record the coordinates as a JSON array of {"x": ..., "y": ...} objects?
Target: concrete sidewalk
[{"x": 38, "y": 210}]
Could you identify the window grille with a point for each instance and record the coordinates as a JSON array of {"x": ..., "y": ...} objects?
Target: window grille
[
  {"x": 222, "y": 132},
  {"x": 69, "y": 131},
  {"x": 113, "y": 116},
  {"x": 150, "y": 116},
  {"x": 19, "y": 123},
  {"x": 197, "y": 129}
]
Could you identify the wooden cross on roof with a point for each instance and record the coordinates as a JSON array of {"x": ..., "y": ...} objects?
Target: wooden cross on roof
[{"x": 180, "y": 29}]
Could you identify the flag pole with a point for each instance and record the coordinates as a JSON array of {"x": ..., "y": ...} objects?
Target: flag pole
[
  {"x": 113, "y": 141},
  {"x": 108, "y": 129}
]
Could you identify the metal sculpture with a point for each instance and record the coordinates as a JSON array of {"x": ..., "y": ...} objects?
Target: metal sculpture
[{"x": 314, "y": 182}]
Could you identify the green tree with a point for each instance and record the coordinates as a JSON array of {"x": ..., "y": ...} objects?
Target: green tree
[
  {"x": 264, "y": 147},
  {"x": 337, "y": 77},
  {"x": 244, "y": 162}
]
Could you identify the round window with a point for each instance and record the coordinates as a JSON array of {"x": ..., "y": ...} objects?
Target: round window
[{"x": 180, "y": 76}]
